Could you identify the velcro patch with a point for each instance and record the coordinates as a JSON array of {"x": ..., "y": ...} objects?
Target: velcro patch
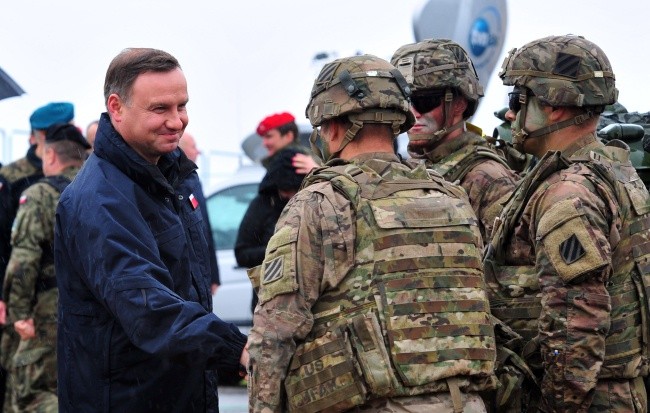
[
  {"x": 571, "y": 250},
  {"x": 567, "y": 65},
  {"x": 571, "y": 247},
  {"x": 273, "y": 270}
]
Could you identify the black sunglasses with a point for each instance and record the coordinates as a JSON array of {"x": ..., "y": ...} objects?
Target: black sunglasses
[
  {"x": 425, "y": 103},
  {"x": 513, "y": 99}
]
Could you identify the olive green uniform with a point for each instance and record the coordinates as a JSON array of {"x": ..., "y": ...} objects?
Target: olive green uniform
[{"x": 30, "y": 286}]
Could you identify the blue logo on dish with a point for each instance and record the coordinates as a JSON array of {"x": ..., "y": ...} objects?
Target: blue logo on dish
[{"x": 480, "y": 38}]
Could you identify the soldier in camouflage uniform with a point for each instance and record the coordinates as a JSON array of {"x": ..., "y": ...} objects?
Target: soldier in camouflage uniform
[
  {"x": 14, "y": 179},
  {"x": 568, "y": 266},
  {"x": 371, "y": 294},
  {"x": 446, "y": 91},
  {"x": 30, "y": 284}
]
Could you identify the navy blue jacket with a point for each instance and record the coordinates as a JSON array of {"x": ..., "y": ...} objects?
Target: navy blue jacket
[{"x": 136, "y": 328}]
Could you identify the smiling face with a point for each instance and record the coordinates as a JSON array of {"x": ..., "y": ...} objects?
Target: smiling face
[
  {"x": 273, "y": 140},
  {"x": 154, "y": 118}
]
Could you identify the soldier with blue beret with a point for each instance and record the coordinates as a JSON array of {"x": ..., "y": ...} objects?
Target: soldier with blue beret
[
  {"x": 55, "y": 112},
  {"x": 14, "y": 179},
  {"x": 30, "y": 285}
]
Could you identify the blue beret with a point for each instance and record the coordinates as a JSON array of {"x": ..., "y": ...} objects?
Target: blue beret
[{"x": 48, "y": 115}]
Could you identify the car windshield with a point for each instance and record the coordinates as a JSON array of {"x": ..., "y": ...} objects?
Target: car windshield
[{"x": 226, "y": 209}]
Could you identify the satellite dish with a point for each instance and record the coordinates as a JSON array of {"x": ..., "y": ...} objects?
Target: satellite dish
[{"x": 479, "y": 26}]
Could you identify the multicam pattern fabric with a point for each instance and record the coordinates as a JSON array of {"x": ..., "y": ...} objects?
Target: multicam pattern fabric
[
  {"x": 438, "y": 64},
  {"x": 30, "y": 286},
  {"x": 562, "y": 71},
  {"x": 485, "y": 176},
  {"x": 436, "y": 403},
  {"x": 18, "y": 169},
  {"x": 361, "y": 86},
  {"x": 342, "y": 287},
  {"x": 565, "y": 270}
]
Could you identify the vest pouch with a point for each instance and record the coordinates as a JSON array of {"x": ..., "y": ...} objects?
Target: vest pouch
[
  {"x": 438, "y": 326},
  {"x": 323, "y": 375},
  {"x": 367, "y": 340}
]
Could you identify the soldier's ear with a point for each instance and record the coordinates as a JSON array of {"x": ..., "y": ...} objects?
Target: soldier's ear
[{"x": 459, "y": 106}]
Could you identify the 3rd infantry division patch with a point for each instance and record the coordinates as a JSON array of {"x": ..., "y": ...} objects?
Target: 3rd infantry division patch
[
  {"x": 273, "y": 270},
  {"x": 571, "y": 250}
]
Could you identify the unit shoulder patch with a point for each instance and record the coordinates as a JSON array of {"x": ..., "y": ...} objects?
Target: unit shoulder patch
[
  {"x": 273, "y": 270},
  {"x": 571, "y": 246},
  {"x": 571, "y": 250}
]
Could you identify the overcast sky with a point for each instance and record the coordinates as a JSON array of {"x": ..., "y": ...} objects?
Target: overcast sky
[{"x": 246, "y": 59}]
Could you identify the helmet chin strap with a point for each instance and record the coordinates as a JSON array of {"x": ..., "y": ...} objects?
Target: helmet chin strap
[
  {"x": 524, "y": 134},
  {"x": 389, "y": 117}
]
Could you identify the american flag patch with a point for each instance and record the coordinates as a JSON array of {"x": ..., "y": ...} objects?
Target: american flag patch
[
  {"x": 273, "y": 270},
  {"x": 193, "y": 201}
]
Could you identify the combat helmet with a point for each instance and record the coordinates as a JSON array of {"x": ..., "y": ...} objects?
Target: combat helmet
[
  {"x": 561, "y": 71},
  {"x": 365, "y": 89},
  {"x": 440, "y": 64}
]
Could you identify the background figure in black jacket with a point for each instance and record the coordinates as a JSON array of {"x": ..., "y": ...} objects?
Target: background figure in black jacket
[
  {"x": 188, "y": 145},
  {"x": 279, "y": 184}
]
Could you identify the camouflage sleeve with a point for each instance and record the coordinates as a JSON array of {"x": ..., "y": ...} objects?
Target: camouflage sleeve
[
  {"x": 299, "y": 263},
  {"x": 33, "y": 228},
  {"x": 488, "y": 186},
  {"x": 573, "y": 257}
]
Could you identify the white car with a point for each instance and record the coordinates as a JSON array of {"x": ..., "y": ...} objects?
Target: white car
[{"x": 227, "y": 203}]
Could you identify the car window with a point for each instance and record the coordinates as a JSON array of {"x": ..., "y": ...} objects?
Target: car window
[{"x": 226, "y": 209}]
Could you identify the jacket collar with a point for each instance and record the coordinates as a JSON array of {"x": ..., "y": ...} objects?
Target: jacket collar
[{"x": 161, "y": 178}]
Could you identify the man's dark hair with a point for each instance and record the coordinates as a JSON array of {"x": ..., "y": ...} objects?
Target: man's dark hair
[
  {"x": 129, "y": 64},
  {"x": 289, "y": 127},
  {"x": 69, "y": 152}
]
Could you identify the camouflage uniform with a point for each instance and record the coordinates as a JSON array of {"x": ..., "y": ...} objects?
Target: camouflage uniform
[
  {"x": 555, "y": 278},
  {"x": 32, "y": 294},
  {"x": 443, "y": 67},
  {"x": 14, "y": 179},
  {"x": 470, "y": 160},
  {"x": 567, "y": 267},
  {"x": 314, "y": 283},
  {"x": 371, "y": 294}
]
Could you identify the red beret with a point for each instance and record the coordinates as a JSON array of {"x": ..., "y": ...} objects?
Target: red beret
[{"x": 274, "y": 121}]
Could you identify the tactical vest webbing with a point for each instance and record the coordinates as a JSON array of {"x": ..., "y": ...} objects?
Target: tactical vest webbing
[
  {"x": 412, "y": 315},
  {"x": 627, "y": 342},
  {"x": 455, "y": 166}
]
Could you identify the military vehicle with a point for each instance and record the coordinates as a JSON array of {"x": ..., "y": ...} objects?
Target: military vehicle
[{"x": 615, "y": 122}]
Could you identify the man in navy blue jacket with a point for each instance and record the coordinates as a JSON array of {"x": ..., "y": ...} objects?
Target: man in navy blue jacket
[{"x": 136, "y": 328}]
